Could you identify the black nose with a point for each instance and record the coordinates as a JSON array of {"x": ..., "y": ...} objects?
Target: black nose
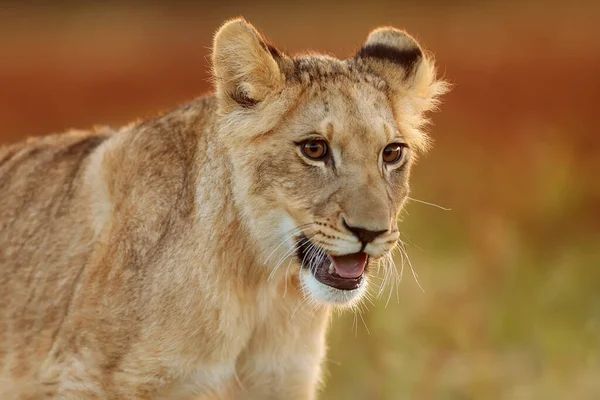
[{"x": 364, "y": 235}]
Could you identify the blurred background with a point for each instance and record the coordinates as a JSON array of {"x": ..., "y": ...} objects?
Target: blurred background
[{"x": 511, "y": 274}]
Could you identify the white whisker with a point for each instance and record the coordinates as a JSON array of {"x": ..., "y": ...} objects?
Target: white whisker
[
  {"x": 286, "y": 255},
  {"x": 363, "y": 320},
  {"x": 415, "y": 276},
  {"x": 367, "y": 297},
  {"x": 287, "y": 236},
  {"x": 383, "y": 278},
  {"x": 314, "y": 310},
  {"x": 429, "y": 204},
  {"x": 391, "y": 267}
]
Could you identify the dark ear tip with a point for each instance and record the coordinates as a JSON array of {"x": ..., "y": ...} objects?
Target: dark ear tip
[
  {"x": 392, "y": 45},
  {"x": 405, "y": 58}
]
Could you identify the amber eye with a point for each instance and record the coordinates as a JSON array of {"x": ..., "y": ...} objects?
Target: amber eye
[
  {"x": 393, "y": 153},
  {"x": 314, "y": 149}
]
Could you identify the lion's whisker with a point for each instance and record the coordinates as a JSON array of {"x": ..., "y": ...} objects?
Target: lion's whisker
[
  {"x": 363, "y": 320},
  {"x": 286, "y": 255},
  {"x": 287, "y": 236},
  {"x": 429, "y": 204},
  {"x": 392, "y": 268},
  {"x": 414, "y": 274}
]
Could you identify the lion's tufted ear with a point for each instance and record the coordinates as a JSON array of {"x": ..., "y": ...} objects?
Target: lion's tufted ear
[
  {"x": 397, "y": 57},
  {"x": 244, "y": 65},
  {"x": 392, "y": 49}
]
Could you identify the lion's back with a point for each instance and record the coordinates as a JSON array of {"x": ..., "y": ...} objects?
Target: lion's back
[{"x": 39, "y": 182}]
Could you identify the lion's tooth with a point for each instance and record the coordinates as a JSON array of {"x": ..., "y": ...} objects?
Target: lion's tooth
[{"x": 331, "y": 269}]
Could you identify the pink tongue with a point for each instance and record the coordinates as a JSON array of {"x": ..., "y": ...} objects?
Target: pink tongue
[{"x": 351, "y": 265}]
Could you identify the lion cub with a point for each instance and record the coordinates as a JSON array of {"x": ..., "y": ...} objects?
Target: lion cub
[{"x": 200, "y": 253}]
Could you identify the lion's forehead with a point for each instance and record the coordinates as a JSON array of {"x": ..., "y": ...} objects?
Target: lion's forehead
[
  {"x": 352, "y": 116},
  {"x": 319, "y": 69}
]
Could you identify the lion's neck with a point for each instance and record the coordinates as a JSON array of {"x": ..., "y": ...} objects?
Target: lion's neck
[{"x": 228, "y": 246}]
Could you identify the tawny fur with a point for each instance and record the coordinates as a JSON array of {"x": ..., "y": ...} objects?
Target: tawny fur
[{"x": 141, "y": 263}]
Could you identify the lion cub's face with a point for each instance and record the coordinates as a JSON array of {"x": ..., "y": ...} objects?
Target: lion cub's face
[{"x": 322, "y": 150}]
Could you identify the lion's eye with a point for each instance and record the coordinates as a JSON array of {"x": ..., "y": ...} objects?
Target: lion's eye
[
  {"x": 314, "y": 149},
  {"x": 393, "y": 153}
]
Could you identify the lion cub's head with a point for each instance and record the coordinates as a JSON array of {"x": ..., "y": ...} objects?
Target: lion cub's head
[{"x": 322, "y": 150}]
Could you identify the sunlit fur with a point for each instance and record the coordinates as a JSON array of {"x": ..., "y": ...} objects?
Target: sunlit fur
[{"x": 159, "y": 261}]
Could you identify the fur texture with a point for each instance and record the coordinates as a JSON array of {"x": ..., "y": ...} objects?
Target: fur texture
[{"x": 159, "y": 261}]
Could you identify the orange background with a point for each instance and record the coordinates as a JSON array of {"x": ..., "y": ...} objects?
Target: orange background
[{"x": 511, "y": 308}]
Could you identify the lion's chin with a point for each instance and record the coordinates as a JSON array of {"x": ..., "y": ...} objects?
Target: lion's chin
[{"x": 328, "y": 295}]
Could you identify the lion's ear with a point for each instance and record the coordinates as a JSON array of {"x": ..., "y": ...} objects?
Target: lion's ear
[
  {"x": 244, "y": 65},
  {"x": 393, "y": 52},
  {"x": 397, "y": 57}
]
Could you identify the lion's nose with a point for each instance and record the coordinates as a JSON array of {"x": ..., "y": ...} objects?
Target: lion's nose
[{"x": 366, "y": 236}]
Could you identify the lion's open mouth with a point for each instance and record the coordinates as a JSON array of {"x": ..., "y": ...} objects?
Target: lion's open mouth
[{"x": 340, "y": 272}]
